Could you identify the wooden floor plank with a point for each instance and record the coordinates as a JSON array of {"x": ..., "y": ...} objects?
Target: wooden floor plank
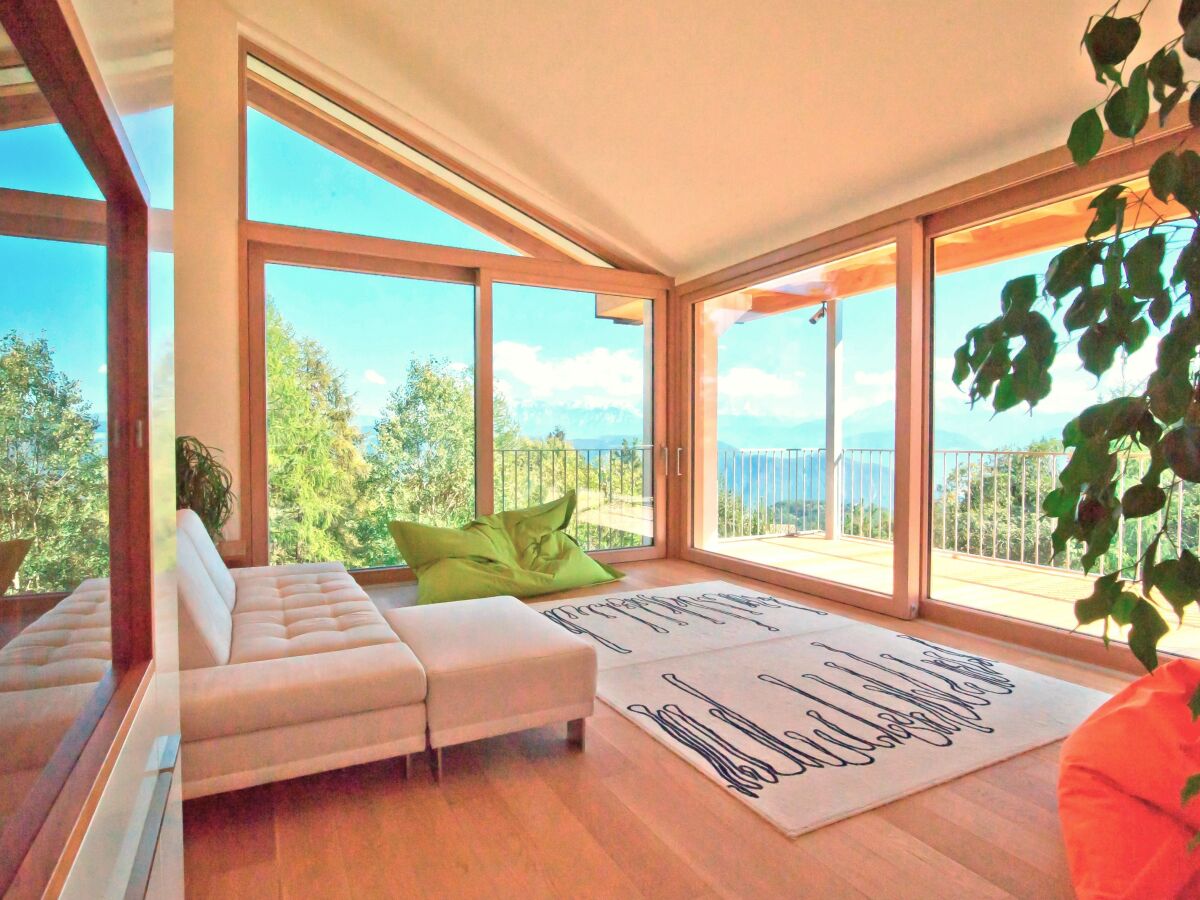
[{"x": 524, "y": 815}]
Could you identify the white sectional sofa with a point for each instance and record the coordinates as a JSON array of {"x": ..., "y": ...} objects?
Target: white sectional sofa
[
  {"x": 291, "y": 670},
  {"x": 47, "y": 674},
  {"x": 287, "y": 671}
]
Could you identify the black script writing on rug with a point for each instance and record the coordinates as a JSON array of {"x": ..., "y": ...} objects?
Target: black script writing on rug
[
  {"x": 662, "y": 612},
  {"x": 856, "y": 710}
]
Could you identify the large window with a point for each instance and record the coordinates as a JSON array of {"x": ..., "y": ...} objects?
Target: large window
[
  {"x": 574, "y": 410},
  {"x": 75, "y": 573},
  {"x": 53, "y": 412},
  {"x": 990, "y": 538},
  {"x": 370, "y": 411},
  {"x": 421, "y": 349},
  {"x": 795, "y": 422}
]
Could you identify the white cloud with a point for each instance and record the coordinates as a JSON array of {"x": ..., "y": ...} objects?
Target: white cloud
[
  {"x": 458, "y": 367},
  {"x": 103, "y": 370},
  {"x": 594, "y": 379},
  {"x": 751, "y": 391},
  {"x": 373, "y": 377}
]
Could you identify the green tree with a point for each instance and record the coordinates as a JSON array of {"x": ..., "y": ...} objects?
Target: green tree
[
  {"x": 422, "y": 460},
  {"x": 315, "y": 461},
  {"x": 54, "y": 481}
]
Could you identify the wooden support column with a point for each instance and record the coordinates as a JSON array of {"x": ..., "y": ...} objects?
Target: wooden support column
[
  {"x": 485, "y": 438},
  {"x": 833, "y": 421}
]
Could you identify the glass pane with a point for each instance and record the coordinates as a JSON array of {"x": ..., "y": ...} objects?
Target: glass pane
[
  {"x": 795, "y": 421},
  {"x": 55, "y": 641},
  {"x": 991, "y": 541},
  {"x": 339, "y": 195},
  {"x": 370, "y": 411},
  {"x": 574, "y": 410}
]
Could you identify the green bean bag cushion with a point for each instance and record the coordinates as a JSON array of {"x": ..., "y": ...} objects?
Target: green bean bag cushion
[{"x": 524, "y": 552}]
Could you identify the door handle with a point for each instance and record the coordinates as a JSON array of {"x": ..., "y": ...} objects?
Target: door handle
[{"x": 678, "y": 458}]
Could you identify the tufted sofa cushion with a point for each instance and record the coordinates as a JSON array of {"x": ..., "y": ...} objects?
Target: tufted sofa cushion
[
  {"x": 286, "y": 611},
  {"x": 69, "y": 644}
]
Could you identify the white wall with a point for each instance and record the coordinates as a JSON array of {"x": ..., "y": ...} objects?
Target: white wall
[{"x": 207, "y": 282}]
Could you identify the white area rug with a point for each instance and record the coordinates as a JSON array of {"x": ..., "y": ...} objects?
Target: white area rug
[{"x": 806, "y": 716}]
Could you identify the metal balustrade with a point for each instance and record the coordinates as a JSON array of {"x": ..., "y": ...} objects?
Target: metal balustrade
[
  {"x": 986, "y": 503},
  {"x": 613, "y": 485}
]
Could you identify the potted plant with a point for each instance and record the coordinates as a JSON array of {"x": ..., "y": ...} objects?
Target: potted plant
[{"x": 203, "y": 484}]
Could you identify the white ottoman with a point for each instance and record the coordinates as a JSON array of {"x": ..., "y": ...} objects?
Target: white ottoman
[{"x": 494, "y": 666}]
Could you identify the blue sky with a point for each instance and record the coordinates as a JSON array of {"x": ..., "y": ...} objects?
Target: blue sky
[{"x": 559, "y": 365}]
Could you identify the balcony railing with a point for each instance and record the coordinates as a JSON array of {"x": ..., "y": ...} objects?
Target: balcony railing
[
  {"x": 986, "y": 503},
  {"x": 613, "y": 485}
]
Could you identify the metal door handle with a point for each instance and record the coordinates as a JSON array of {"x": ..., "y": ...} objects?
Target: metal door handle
[{"x": 678, "y": 458}]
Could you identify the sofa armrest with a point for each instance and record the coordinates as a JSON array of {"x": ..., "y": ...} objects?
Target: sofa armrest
[{"x": 243, "y": 697}]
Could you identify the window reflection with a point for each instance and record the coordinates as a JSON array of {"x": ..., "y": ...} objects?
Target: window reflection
[{"x": 55, "y": 636}]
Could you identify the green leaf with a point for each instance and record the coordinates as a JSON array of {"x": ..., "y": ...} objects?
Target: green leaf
[
  {"x": 1160, "y": 308},
  {"x": 1165, "y": 175},
  {"x": 1105, "y": 591},
  {"x": 1128, "y": 108},
  {"x": 1182, "y": 450},
  {"x": 1109, "y": 205},
  {"x": 1191, "y": 788},
  {"x": 1098, "y": 349},
  {"x": 1071, "y": 268},
  {"x": 1194, "y": 109},
  {"x": 1165, "y": 70},
  {"x": 1187, "y": 191},
  {"x": 1194, "y": 703},
  {"x": 1006, "y": 396},
  {"x": 1113, "y": 39},
  {"x": 1178, "y": 580},
  {"x": 1019, "y": 293},
  {"x": 1147, "y": 629},
  {"x": 1143, "y": 266},
  {"x": 1191, "y": 39},
  {"x": 1122, "y": 608},
  {"x": 1141, "y": 500},
  {"x": 1168, "y": 104},
  {"x": 1087, "y": 134},
  {"x": 1188, "y": 10}
]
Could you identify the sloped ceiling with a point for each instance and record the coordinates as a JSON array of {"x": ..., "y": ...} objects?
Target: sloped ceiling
[{"x": 695, "y": 133}]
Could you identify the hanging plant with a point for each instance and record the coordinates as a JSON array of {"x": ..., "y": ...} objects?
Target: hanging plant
[{"x": 1111, "y": 291}]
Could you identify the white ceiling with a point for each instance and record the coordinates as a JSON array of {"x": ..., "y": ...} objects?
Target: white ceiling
[{"x": 695, "y": 133}]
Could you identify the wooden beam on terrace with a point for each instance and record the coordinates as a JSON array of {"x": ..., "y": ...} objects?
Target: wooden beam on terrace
[{"x": 1035, "y": 231}]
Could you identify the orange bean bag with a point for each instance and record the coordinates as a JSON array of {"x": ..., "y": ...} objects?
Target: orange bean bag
[{"x": 1118, "y": 791}]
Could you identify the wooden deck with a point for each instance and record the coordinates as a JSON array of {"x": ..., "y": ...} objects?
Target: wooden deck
[{"x": 1034, "y": 593}]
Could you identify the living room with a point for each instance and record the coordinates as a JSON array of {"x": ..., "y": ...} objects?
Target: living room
[{"x": 599, "y": 450}]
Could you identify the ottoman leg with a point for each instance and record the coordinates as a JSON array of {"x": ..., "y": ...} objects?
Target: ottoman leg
[
  {"x": 407, "y": 766},
  {"x": 575, "y": 732},
  {"x": 435, "y": 763}
]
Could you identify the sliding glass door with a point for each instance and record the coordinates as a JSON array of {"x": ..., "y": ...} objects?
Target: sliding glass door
[
  {"x": 795, "y": 422},
  {"x": 388, "y": 397},
  {"x": 574, "y": 409}
]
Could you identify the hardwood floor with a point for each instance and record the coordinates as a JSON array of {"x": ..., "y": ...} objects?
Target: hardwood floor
[{"x": 524, "y": 816}]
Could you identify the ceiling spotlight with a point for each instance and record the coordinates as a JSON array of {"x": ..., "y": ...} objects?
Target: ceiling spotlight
[{"x": 820, "y": 313}]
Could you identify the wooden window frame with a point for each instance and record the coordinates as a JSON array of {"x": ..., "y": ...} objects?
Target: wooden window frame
[
  {"x": 262, "y": 243},
  {"x": 282, "y": 244},
  {"x": 49, "y": 824},
  {"x": 1022, "y": 186},
  {"x": 903, "y": 600}
]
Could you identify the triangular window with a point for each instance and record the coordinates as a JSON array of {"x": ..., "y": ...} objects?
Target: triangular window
[{"x": 311, "y": 163}]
